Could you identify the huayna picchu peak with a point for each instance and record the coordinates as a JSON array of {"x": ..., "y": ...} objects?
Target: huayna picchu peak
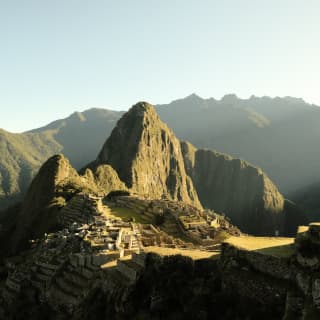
[{"x": 147, "y": 156}]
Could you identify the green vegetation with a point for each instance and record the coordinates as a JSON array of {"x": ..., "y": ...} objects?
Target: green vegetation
[
  {"x": 21, "y": 157},
  {"x": 284, "y": 251},
  {"x": 281, "y": 247},
  {"x": 128, "y": 215},
  {"x": 79, "y": 136},
  {"x": 193, "y": 254}
]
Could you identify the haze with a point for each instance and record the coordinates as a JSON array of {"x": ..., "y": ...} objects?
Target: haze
[{"x": 60, "y": 56}]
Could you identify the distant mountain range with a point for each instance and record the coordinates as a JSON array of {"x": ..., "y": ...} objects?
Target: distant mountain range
[
  {"x": 79, "y": 137},
  {"x": 143, "y": 156},
  {"x": 280, "y": 135}
]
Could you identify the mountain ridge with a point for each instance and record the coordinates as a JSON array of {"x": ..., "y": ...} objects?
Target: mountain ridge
[
  {"x": 276, "y": 134},
  {"x": 241, "y": 191},
  {"x": 143, "y": 156}
]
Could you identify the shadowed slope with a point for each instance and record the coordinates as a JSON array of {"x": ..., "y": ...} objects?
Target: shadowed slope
[
  {"x": 40, "y": 208},
  {"x": 278, "y": 135},
  {"x": 243, "y": 192}
]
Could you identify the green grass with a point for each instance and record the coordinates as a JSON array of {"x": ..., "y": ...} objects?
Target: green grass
[
  {"x": 194, "y": 254},
  {"x": 274, "y": 246},
  {"x": 126, "y": 214}
]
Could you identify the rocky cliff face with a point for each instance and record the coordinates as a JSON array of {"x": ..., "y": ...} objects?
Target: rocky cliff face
[
  {"x": 147, "y": 156},
  {"x": 234, "y": 187}
]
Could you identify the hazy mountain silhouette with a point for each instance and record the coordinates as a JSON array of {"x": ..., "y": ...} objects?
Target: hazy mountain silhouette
[
  {"x": 308, "y": 199},
  {"x": 79, "y": 137},
  {"x": 82, "y": 134},
  {"x": 280, "y": 135}
]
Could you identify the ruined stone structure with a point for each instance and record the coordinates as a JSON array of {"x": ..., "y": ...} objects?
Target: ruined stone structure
[
  {"x": 180, "y": 218},
  {"x": 284, "y": 277},
  {"x": 80, "y": 209}
]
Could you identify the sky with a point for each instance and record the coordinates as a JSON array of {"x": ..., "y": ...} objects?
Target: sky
[{"x": 60, "y": 56}]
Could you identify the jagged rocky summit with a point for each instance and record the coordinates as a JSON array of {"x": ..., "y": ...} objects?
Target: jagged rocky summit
[{"x": 147, "y": 157}]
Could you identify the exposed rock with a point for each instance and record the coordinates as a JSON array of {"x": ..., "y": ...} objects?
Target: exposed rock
[
  {"x": 147, "y": 157},
  {"x": 236, "y": 188}
]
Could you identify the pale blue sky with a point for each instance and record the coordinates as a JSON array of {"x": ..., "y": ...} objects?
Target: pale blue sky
[{"x": 58, "y": 56}]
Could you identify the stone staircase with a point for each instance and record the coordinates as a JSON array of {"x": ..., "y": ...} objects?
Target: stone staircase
[
  {"x": 149, "y": 214},
  {"x": 44, "y": 273},
  {"x": 135, "y": 244},
  {"x": 72, "y": 285},
  {"x": 136, "y": 204},
  {"x": 75, "y": 211}
]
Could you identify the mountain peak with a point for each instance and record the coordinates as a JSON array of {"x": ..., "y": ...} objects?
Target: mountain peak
[
  {"x": 142, "y": 105},
  {"x": 229, "y": 98},
  {"x": 142, "y": 109},
  {"x": 78, "y": 116},
  {"x": 194, "y": 96},
  {"x": 147, "y": 156}
]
